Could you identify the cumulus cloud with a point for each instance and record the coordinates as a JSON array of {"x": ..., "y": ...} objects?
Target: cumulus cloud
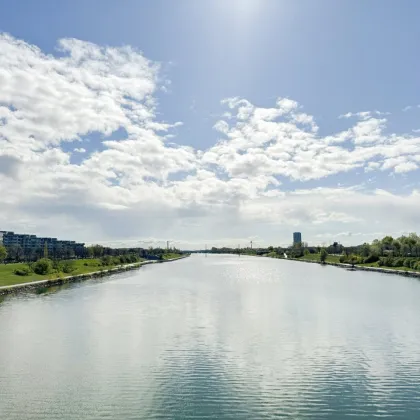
[
  {"x": 141, "y": 185},
  {"x": 283, "y": 141}
]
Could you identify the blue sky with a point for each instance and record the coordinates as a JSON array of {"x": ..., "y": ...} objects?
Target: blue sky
[{"x": 330, "y": 57}]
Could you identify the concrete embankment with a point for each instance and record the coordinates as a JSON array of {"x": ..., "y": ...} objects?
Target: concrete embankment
[
  {"x": 42, "y": 284},
  {"x": 361, "y": 268}
]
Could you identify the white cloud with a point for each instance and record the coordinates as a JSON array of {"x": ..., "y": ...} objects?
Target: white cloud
[
  {"x": 410, "y": 107},
  {"x": 405, "y": 167},
  {"x": 141, "y": 185}
]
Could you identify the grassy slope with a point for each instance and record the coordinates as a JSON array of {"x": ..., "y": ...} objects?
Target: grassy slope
[
  {"x": 336, "y": 259},
  {"x": 315, "y": 257},
  {"x": 170, "y": 255},
  {"x": 8, "y": 278}
]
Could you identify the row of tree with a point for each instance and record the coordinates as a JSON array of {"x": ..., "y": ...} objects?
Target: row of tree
[
  {"x": 403, "y": 246},
  {"x": 19, "y": 254}
]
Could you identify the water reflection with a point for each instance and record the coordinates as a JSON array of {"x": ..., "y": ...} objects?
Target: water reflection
[{"x": 217, "y": 337}]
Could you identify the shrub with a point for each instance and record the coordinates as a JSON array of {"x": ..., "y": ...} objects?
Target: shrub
[
  {"x": 371, "y": 259},
  {"x": 354, "y": 259},
  {"x": 386, "y": 261},
  {"x": 24, "y": 271},
  {"x": 68, "y": 267},
  {"x": 107, "y": 260},
  {"x": 86, "y": 264},
  {"x": 413, "y": 264},
  {"x": 133, "y": 258},
  {"x": 343, "y": 259},
  {"x": 398, "y": 262},
  {"x": 56, "y": 265},
  {"x": 43, "y": 266},
  {"x": 407, "y": 263}
]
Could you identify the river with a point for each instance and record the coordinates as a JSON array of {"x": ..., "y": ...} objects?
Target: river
[{"x": 217, "y": 337}]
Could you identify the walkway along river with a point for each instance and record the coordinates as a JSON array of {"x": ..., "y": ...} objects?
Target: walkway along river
[{"x": 222, "y": 337}]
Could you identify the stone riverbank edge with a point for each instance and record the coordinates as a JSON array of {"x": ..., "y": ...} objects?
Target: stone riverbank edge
[{"x": 36, "y": 285}]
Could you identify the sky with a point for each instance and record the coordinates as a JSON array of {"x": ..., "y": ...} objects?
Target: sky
[{"x": 210, "y": 122}]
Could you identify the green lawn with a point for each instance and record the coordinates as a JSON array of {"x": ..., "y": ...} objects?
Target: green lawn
[
  {"x": 83, "y": 266},
  {"x": 171, "y": 255},
  {"x": 336, "y": 259},
  {"x": 315, "y": 257},
  {"x": 376, "y": 265}
]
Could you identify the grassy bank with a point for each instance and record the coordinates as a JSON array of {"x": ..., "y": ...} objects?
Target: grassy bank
[
  {"x": 83, "y": 266},
  {"x": 309, "y": 257},
  {"x": 171, "y": 255},
  {"x": 336, "y": 259}
]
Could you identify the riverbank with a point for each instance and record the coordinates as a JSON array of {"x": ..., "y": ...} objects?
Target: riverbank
[
  {"x": 406, "y": 273},
  {"x": 36, "y": 285}
]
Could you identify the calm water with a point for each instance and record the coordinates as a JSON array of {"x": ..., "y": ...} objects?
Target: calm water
[{"x": 221, "y": 337}]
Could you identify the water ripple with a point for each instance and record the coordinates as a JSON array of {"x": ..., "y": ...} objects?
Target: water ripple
[{"x": 215, "y": 338}]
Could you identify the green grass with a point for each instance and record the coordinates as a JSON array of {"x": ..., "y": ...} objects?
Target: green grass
[
  {"x": 83, "y": 266},
  {"x": 315, "y": 257},
  {"x": 171, "y": 255},
  {"x": 376, "y": 265},
  {"x": 336, "y": 259}
]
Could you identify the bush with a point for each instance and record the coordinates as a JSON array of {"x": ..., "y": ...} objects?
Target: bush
[
  {"x": 343, "y": 259},
  {"x": 68, "y": 267},
  {"x": 413, "y": 264},
  {"x": 43, "y": 266},
  {"x": 398, "y": 262},
  {"x": 57, "y": 266},
  {"x": 407, "y": 263},
  {"x": 24, "y": 271},
  {"x": 107, "y": 260},
  {"x": 134, "y": 258},
  {"x": 371, "y": 259},
  {"x": 354, "y": 259},
  {"x": 386, "y": 262}
]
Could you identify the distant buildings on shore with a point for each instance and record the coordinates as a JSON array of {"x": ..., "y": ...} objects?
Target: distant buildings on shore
[
  {"x": 297, "y": 238},
  {"x": 32, "y": 244}
]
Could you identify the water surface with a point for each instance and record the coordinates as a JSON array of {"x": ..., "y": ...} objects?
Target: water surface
[{"x": 222, "y": 337}]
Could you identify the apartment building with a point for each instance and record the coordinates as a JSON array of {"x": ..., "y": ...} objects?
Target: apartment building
[{"x": 30, "y": 244}]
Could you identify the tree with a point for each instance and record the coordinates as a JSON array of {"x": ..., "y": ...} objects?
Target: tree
[
  {"x": 365, "y": 250},
  {"x": 323, "y": 255},
  {"x": 388, "y": 240},
  {"x": 97, "y": 251},
  {"x": 353, "y": 260},
  {"x": 3, "y": 253}
]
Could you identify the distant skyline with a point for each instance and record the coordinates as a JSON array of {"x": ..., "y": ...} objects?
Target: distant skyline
[{"x": 210, "y": 122}]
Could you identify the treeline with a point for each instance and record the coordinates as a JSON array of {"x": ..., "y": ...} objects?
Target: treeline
[
  {"x": 402, "y": 252},
  {"x": 387, "y": 252},
  {"x": 15, "y": 254},
  {"x": 99, "y": 251}
]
